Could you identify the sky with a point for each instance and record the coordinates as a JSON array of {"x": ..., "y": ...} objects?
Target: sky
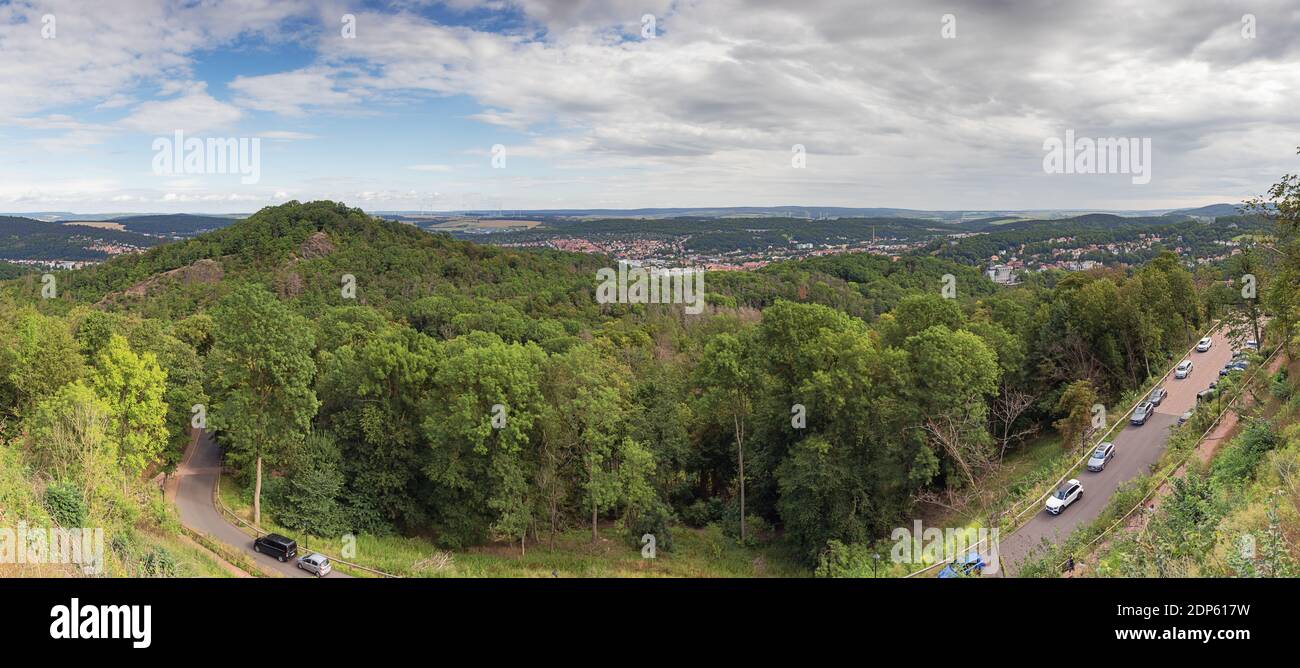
[{"x": 539, "y": 104}]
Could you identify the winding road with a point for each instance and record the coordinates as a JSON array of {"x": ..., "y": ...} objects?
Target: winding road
[
  {"x": 196, "y": 480},
  {"x": 1136, "y": 449}
]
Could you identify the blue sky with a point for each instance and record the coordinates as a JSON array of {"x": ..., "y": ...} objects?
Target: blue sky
[{"x": 594, "y": 111}]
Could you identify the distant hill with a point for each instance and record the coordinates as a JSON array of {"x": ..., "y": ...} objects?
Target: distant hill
[
  {"x": 1093, "y": 221},
  {"x": 27, "y": 239},
  {"x": 1210, "y": 211},
  {"x": 173, "y": 225}
]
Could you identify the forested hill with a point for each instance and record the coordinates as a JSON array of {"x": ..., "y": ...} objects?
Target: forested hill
[
  {"x": 172, "y": 225},
  {"x": 28, "y": 239},
  {"x": 302, "y": 252}
]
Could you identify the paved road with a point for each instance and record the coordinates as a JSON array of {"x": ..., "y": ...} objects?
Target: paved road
[
  {"x": 196, "y": 478},
  {"x": 1136, "y": 449}
]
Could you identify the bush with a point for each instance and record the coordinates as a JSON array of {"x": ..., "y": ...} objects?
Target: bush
[
  {"x": 63, "y": 500},
  {"x": 839, "y": 560},
  {"x": 654, "y": 520},
  {"x": 755, "y": 526},
  {"x": 1280, "y": 387},
  {"x": 1238, "y": 461},
  {"x": 159, "y": 563},
  {"x": 703, "y": 512}
]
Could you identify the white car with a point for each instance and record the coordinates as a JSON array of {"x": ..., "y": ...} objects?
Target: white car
[
  {"x": 1204, "y": 345},
  {"x": 1183, "y": 370},
  {"x": 1068, "y": 493}
]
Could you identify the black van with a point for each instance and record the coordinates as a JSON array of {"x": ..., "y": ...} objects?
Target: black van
[{"x": 277, "y": 546}]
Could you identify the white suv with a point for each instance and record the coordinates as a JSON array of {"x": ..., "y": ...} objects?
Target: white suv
[
  {"x": 1204, "y": 344},
  {"x": 1068, "y": 493},
  {"x": 1183, "y": 370}
]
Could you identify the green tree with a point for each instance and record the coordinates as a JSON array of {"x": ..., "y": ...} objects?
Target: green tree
[
  {"x": 1075, "y": 409},
  {"x": 37, "y": 357},
  {"x": 587, "y": 426},
  {"x": 728, "y": 377},
  {"x": 486, "y": 406},
  {"x": 132, "y": 385},
  {"x": 260, "y": 370}
]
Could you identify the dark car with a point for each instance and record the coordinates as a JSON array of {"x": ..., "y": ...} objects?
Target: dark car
[
  {"x": 1208, "y": 393},
  {"x": 1157, "y": 395},
  {"x": 1142, "y": 413},
  {"x": 277, "y": 546}
]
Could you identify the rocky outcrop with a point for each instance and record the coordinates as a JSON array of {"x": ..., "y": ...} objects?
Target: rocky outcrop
[
  {"x": 204, "y": 271},
  {"x": 317, "y": 245}
]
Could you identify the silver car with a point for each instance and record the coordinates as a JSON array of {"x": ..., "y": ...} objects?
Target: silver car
[
  {"x": 1204, "y": 344},
  {"x": 1100, "y": 456},
  {"x": 315, "y": 563},
  {"x": 1183, "y": 370},
  {"x": 1142, "y": 413}
]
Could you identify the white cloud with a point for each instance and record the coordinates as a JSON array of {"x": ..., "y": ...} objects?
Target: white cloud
[
  {"x": 291, "y": 93},
  {"x": 194, "y": 112},
  {"x": 706, "y": 113}
]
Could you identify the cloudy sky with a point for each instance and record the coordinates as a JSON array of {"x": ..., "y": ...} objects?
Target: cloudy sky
[{"x": 398, "y": 105}]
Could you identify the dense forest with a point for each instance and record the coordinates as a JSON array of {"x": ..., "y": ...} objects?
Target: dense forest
[{"x": 367, "y": 376}]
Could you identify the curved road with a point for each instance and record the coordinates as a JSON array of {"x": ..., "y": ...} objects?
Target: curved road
[
  {"x": 1136, "y": 449},
  {"x": 196, "y": 479}
]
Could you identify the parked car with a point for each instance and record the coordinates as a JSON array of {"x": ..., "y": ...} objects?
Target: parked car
[
  {"x": 1100, "y": 456},
  {"x": 316, "y": 563},
  {"x": 1207, "y": 393},
  {"x": 277, "y": 546},
  {"x": 1142, "y": 413},
  {"x": 971, "y": 564},
  {"x": 1182, "y": 419},
  {"x": 1183, "y": 370},
  {"x": 1252, "y": 344},
  {"x": 1157, "y": 395},
  {"x": 1068, "y": 493},
  {"x": 1235, "y": 365},
  {"x": 1204, "y": 345}
]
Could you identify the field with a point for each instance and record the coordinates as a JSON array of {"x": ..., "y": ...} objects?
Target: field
[{"x": 97, "y": 224}]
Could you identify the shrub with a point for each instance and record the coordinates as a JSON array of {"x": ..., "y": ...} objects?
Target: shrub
[
  {"x": 1238, "y": 462},
  {"x": 1280, "y": 387},
  {"x": 654, "y": 520},
  {"x": 159, "y": 563},
  {"x": 63, "y": 500},
  {"x": 755, "y": 526},
  {"x": 840, "y": 560},
  {"x": 703, "y": 512}
]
